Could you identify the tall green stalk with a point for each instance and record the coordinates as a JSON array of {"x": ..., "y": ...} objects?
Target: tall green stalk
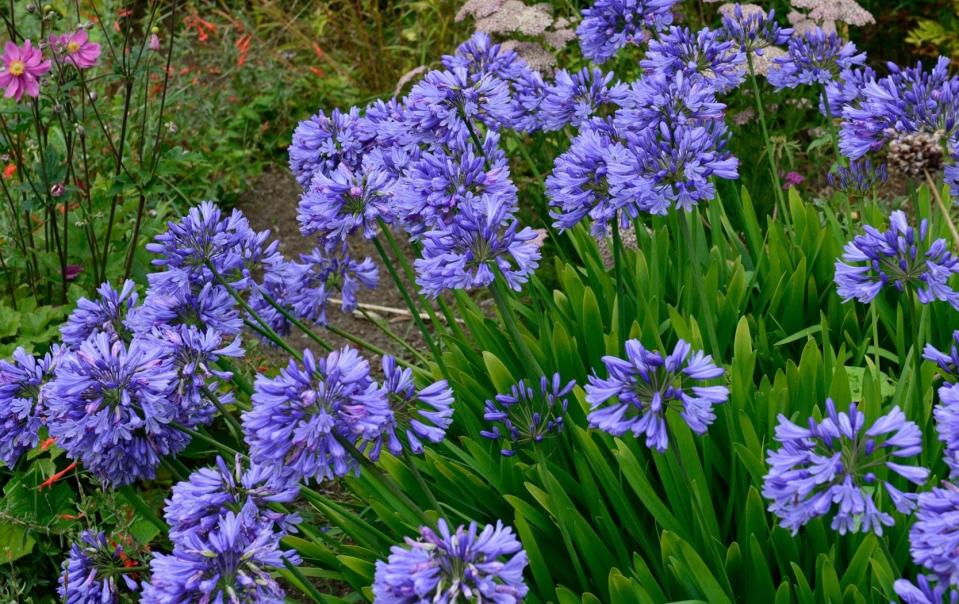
[{"x": 761, "y": 112}]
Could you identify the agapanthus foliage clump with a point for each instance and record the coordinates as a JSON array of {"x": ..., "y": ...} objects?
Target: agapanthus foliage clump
[
  {"x": 447, "y": 566},
  {"x": 302, "y": 418},
  {"x": 843, "y": 462},
  {"x": 643, "y": 387},
  {"x": 902, "y": 257},
  {"x": 527, "y": 415}
]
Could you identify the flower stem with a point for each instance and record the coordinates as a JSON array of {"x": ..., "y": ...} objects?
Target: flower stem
[
  {"x": 698, "y": 283},
  {"x": 532, "y": 367},
  {"x": 773, "y": 169},
  {"x": 620, "y": 289}
]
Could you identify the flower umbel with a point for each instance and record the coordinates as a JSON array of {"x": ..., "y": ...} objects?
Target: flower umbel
[{"x": 527, "y": 415}]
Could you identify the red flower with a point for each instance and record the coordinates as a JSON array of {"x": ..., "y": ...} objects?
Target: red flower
[{"x": 9, "y": 170}]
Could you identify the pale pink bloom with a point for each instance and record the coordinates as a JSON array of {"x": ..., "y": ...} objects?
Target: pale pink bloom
[
  {"x": 76, "y": 49},
  {"x": 154, "y": 42},
  {"x": 22, "y": 68}
]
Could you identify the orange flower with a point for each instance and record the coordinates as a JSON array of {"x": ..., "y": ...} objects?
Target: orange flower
[
  {"x": 317, "y": 72},
  {"x": 9, "y": 170},
  {"x": 203, "y": 27},
  {"x": 47, "y": 444},
  {"x": 318, "y": 51},
  {"x": 49, "y": 482},
  {"x": 243, "y": 47}
]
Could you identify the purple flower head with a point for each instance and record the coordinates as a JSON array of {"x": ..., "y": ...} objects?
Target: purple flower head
[
  {"x": 106, "y": 314},
  {"x": 325, "y": 275},
  {"x": 666, "y": 168},
  {"x": 23, "y": 66},
  {"x": 346, "y": 201},
  {"x": 94, "y": 572},
  {"x": 704, "y": 54},
  {"x": 586, "y": 97},
  {"x": 418, "y": 415},
  {"x": 445, "y": 104},
  {"x": 933, "y": 539},
  {"x": 814, "y": 58},
  {"x": 231, "y": 562},
  {"x": 947, "y": 418},
  {"x": 193, "y": 354},
  {"x": 196, "y": 504},
  {"x": 609, "y": 25},
  {"x": 299, "y": 416},
  {"x": 76, "y": 49},
  {"x": 754, "y": 31},
  {"x": 109, "y": 408},
  {"x": 482, "y": 236},
  {"x": 860, "y": 178},
  {"x": 927, "y": 590},
  {"x": 321, "y": 143},
  {"x": 579, "y": 185},
  {"x": 905, "y": 102},
  {"x": 645, "y": 385},
  {"x": 171, "y": 301},
  {"x": 205, "y": 236},
  {"x": 845, "y": 90},
  {"x": 23, "y": 380},
  {"x": 901, "y": 257},
  {"x": 447, "y": 567},
  {"x": 675, "y": 101},
  {"x": 480, "y": 57},
  {"x": 526, "y": 415},
  {"x": 839, "y": 460},
  {"x": 441, "y": 180},
  {"x": 281, "y": 282}
]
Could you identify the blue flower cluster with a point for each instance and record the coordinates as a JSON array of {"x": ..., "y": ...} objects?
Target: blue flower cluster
[
  {"x": 527, "y": 415},
  {"x": 431, "y": 164},
  {"x": 94, "y": 572},
  {"x": 609, "y": 25},
  {"x": 814, "y": 58},
  {"x": 840, "y": 461},
  {"x": 445, "y": 567}
]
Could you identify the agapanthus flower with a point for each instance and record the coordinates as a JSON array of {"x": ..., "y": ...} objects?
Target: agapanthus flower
[
  {"x": 23, "y": 66},
  {"x": 299, "y": 417},
  {"x": 481, "y": 236},
  {"x": 947, "y": 425},
  {"x": 442, "y": 179},
  {"x": 704, "y": 54},
  {"x": 609, "y": 25},
  {"x": 446, "y": 104},
  {"x": 845, "y": 89},
  {"x": 905, "y": 102},
  {"x": 95, "y": 572},
  {"x": 480, "y": 57},
  {"x": 902, "y": 257},
  {"x": 579, "y": 184},
  {"x": 231, "y": 562},
  {"x": 933, "y": 538},
  {"x": 280, "y": 283},
  {"x": 840, "y": 461},
  {"x": 346, "y": 201},
  {"x": 666, "y": 168},
  {"x": 193, "y": 353},
  {"x": 861, "y": 177},
  {"x": 76, "y": 49},
  {"x": 171, "y": 301},
  {"x": 675, "y": 101},
  {"x": 527, "y": 415},
  {"x": 326, "y": 274},
  {"x": 588, "y": 96},
  {"x": 196, "y": 504},
  {"x": 105, "y": 314},
  {"x": 754, "y": 31},
  {"x": 814, "y": 58},
  {"x": 641, "y": 388},
  {"x": 22, "y": 407},
  {"x": 109, "y": 408},
  {"x": 444, "y": 567},
  {"x": 205, "y": 236},
  {"x": 323, "y": 142},
  {"x": 928, "y": 589},
  {"x": 417, "y": 415}
]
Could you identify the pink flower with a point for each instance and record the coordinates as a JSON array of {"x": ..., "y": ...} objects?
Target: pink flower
[
  {"x": 792, "y": 179},
  {"x": 22, "y": 68},
  {"x": 72, "y": 271},
  {"x": 77, "y": 49},
  {"x": 154, "y": 43}
]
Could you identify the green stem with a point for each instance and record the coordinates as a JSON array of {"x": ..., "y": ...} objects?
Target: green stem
[
  {"x": 299, "y": 324},
  {"x": 697, "y": 284},
  {"x": 404, "y": 263},
  {"x": 236, "y": 430},
  {"x": 916, "y": 352},
  {"x": 620, "y": 289},
  {"x": 532, "y": 367},
  {"x": 310, "y": 589},
  {"x": 422, "y": 483},
  {"x": 761, "y": 112},
  {"x": 831, "y": 124},
  {"x": 874, "y": 309}
]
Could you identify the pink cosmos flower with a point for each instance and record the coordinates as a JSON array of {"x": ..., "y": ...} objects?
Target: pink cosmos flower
[
  {"x": 77, "y": 49},
  {"x": 22, "y": 68}
]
